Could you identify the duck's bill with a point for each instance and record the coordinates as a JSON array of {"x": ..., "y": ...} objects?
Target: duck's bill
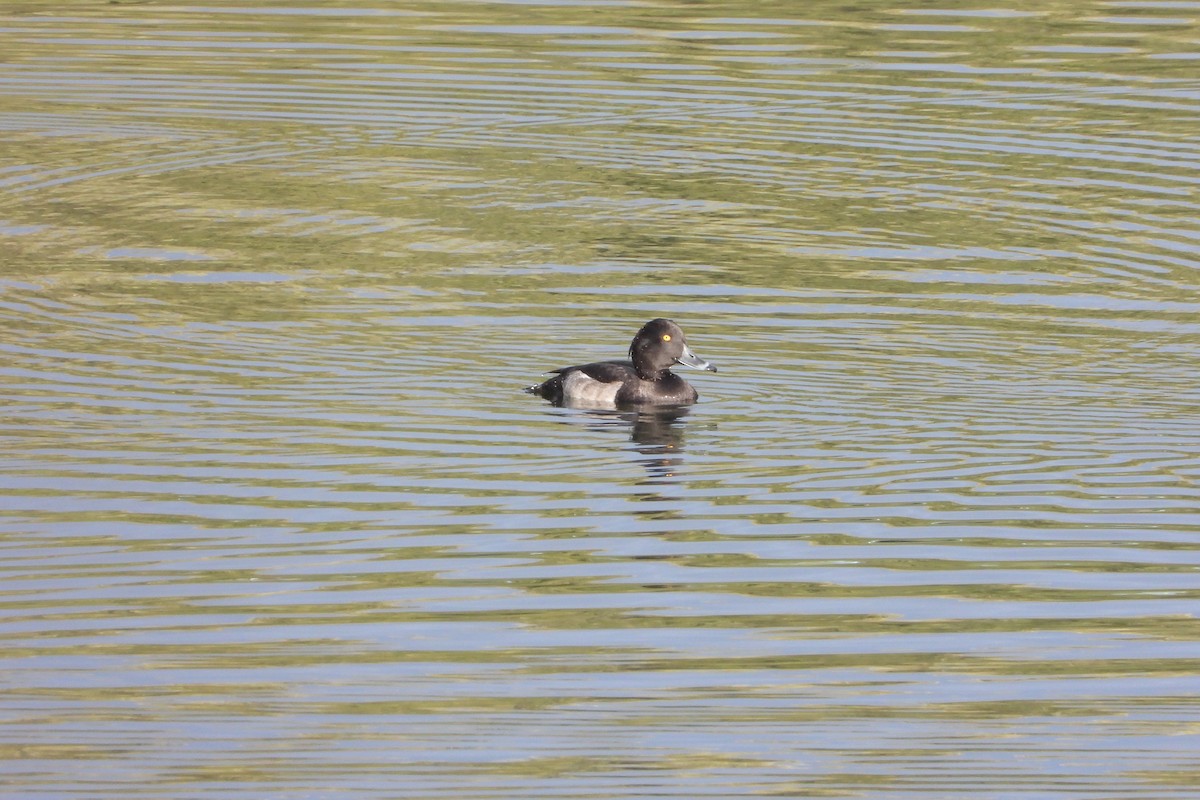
[{"x": 690, "y": 359}]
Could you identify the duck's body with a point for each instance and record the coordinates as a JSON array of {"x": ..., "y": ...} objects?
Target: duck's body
[
  {"x": 614, "y": 383},
  {"x": 644, "y": 380}
]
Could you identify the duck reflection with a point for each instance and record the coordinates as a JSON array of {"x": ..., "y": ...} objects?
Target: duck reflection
[{"x": 656, "y": 432}]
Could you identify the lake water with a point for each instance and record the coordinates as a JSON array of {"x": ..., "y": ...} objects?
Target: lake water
[{"x": 278, "y": 520}]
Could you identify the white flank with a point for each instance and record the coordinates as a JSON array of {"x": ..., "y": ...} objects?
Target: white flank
[{"x": 581, "y": 390}]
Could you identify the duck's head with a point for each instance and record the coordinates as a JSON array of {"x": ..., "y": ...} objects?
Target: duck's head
[{"x": 660, "y": 344}]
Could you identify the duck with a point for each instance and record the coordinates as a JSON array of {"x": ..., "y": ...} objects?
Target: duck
[{"x": 645, "y": 379}]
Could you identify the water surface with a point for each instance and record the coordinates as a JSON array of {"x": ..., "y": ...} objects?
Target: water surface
[{"x": 278, "y": 521}]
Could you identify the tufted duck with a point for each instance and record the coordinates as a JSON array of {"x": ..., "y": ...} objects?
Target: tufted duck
[{"x": 646, "y": 379}]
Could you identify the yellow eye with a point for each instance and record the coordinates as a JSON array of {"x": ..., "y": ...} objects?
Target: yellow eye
[{"x": 666, "y": 337}]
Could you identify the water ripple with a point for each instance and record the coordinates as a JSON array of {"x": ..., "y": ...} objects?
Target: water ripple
[{"x": 276, "y": 277}]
